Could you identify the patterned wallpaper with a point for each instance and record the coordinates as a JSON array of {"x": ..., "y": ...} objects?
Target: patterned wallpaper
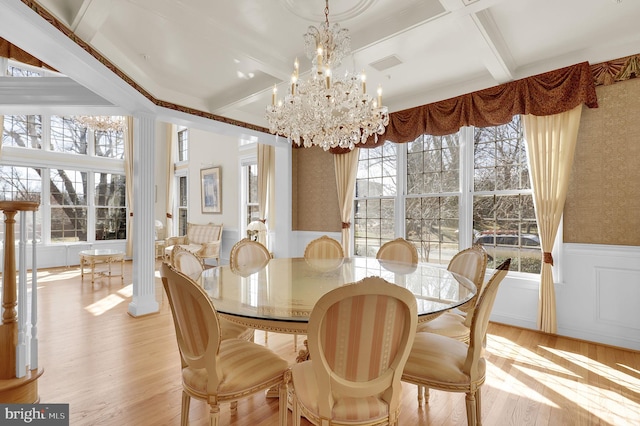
[
  {"x": 315, "y": 197},
  {"x": 603, "y": 201}
]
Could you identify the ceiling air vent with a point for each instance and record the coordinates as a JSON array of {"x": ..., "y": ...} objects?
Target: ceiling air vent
[{"x": 386, "y": 63}]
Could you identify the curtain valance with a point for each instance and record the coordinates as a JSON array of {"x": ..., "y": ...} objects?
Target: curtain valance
[
  {"x": 544, "y": 94},
  {"x": 11, "y": 51}
]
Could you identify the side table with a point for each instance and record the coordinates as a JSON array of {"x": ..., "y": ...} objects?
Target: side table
[{"x": 98, "y": 256}]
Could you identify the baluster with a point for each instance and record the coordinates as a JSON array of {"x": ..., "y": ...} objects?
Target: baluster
[
  {"x": 21, "y": 349},
  {"x": 34, "y": 300}
]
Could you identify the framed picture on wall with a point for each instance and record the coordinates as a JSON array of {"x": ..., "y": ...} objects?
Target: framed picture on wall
[{"x": 210, "y": 189}]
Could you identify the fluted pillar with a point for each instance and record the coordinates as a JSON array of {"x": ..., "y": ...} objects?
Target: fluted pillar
[{"x": 144, "y": 300}]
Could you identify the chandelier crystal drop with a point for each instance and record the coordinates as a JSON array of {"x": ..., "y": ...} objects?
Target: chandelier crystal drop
[
  {"x": 103, "y": 123},
  {"x": 324, "y": 110}
]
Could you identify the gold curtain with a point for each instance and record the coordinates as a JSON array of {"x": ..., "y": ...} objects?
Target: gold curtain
[
  {"x": 265, "y": 174},
  {"x": 128, "y": 169},
  {"x": 551, "y": 142},
  {"x": 172, "y": 135},
  {"x": 346, "y": 169}
]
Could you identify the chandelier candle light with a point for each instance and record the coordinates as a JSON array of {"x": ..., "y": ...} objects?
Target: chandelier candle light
[{"x": 324, "y": 110}]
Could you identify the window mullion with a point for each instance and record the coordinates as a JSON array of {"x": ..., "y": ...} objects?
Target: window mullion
[
  {"x": 45, "y": 206},
  {"x": 401, "y": 189},
  {"x": 466, "y": 187},
  {"x": 91, "y": 207}
]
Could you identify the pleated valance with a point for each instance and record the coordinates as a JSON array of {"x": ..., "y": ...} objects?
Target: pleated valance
[
  {"x": 11, "y": 51},
  {"x": 544, "y": 94}
]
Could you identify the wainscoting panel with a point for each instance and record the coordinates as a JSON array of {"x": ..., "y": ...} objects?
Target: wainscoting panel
[
  {"x": 617, "y": 298},
  {"x": 601, "y": 293}
]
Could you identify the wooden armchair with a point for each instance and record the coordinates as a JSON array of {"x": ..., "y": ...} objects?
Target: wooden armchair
[{"x": 202, "y": 240}]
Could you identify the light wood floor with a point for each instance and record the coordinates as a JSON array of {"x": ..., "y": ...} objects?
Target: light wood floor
[{"x": 113, "y": 369}]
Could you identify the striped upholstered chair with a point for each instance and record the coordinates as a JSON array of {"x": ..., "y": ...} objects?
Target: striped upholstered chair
[
  {"x": 443, "y": 363},
  {"x": 248, "y": 256},
  {"x": 359, "y": 338},
  {"x": 186, "y": 262},
  {"x": 398, "y": 250},
  {"x": 471, "y": 263},
  {"x": 323, "y": 248},
  {"x": 213, "y": 369}
]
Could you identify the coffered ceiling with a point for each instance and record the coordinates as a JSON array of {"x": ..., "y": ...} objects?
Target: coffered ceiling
[{"x": 223, "y": 57}]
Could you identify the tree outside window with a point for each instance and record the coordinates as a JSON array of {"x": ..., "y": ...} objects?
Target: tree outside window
[{"x": 476, "y": 180}]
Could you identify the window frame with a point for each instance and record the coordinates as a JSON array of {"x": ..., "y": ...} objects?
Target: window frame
[
  {"x": 465, "y": 194},
  {"x": 49, "y": 160}
]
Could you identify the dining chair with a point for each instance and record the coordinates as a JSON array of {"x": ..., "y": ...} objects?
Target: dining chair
[
  {"x": 359, "y": 337},
  {"x": 324, "y": 247},
  {"x": 398, "y": 250},
  {"x": 186, "y": 262},
  {"x": 189, "y": 264},
  {"x": 213, "y": 369},
  {"x": 470, "y": 263},
  {"x": 248, "y": 256},
  {"x": 447, "y": 364}
]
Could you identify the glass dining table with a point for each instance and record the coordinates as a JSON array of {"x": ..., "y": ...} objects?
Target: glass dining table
[{"x": 279, "y": 297}]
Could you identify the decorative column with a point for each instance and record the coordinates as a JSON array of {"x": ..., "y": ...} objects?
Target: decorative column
[{"x": 144, "y": 301}]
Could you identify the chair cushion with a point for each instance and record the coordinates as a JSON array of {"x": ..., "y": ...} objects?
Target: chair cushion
[
  {"x": 345, "y": 409},
  {"x": 439, "y": 359},
  {"x": 231, "y": 330},
  {"x": 448, "y": 324},
  {"x": 244, "y": 365}
]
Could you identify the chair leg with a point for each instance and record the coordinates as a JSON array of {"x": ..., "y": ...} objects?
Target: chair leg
[
  {"x": 420, "y": 399},
  {"x": 295, "y": 411},
  {"x": 233, "y": 407},
  {"x": 478, "y": 407},
  {"x": 186, "y": 402},
  {"x": 426, "y": 395},
  {"x": 295, "y": 343},
  {"x": 472, "y": 420},
  {"x": 282, "y": 404}
]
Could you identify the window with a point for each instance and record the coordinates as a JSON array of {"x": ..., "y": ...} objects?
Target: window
[
  {"x": 111, "y": 213},
  {"x": 376, "y": 189},
  {"x": 250, "y": 180},
  {"x": 109, "y": 144},
  {"x": 68, "y": 136},
  {"x": 183, "y": 204},
  {"x": 433, "y": 196},
  {"x": 183, "y": 145},
  {"x": 470, "y": 187},
  {"x": 502, "y": 199},
  {"x": 78, "y": 204},
  {"x": 23, "y": 131},
  {"x": 22, "y": 184},
  {"x": 68, "y": 205}
]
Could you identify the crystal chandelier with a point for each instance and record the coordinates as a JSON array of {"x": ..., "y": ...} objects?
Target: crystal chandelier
[
  {"x": 103, "y": 123},
  {"x": 324, "y": 110}
]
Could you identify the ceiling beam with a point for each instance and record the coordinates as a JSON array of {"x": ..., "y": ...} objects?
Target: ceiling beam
[
  {"x": 495, "y": 54},
  {"x": 90, "y": 17}
]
